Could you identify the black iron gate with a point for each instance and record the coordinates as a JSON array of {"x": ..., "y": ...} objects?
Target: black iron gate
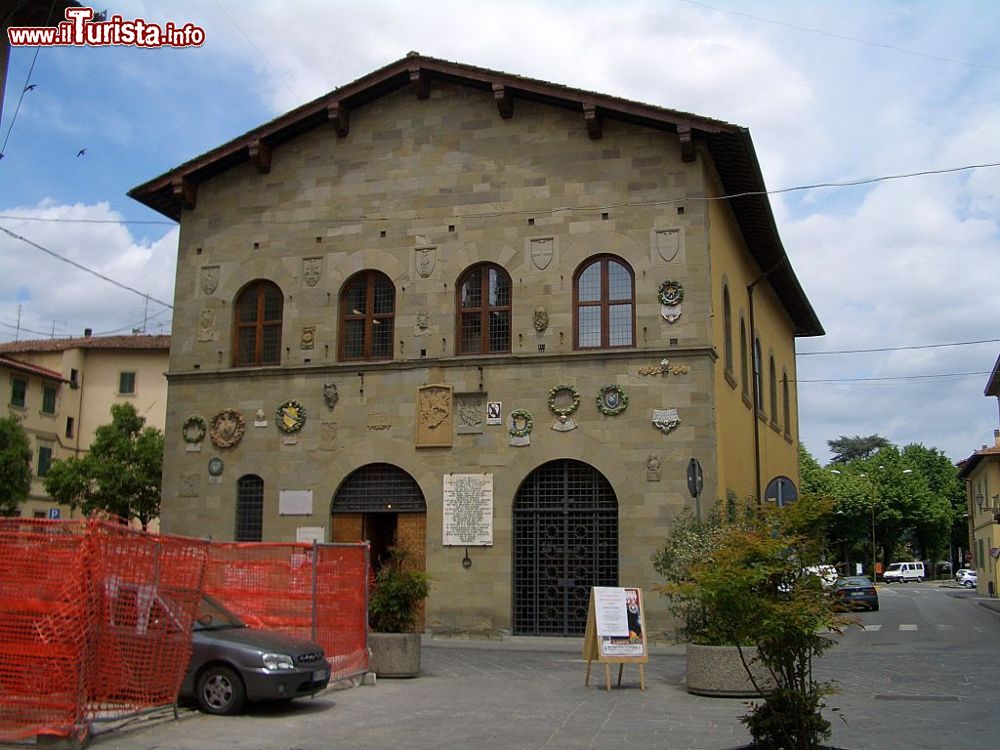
[{"x": 565, "y": 541}]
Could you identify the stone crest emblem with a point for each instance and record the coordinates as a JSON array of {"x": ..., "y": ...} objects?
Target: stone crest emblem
[
  {"x": 668, "y": 243},
  {"x": 330, "y": 395},
  {"x": 541, "y": 319},
  {"x": 423, "y": 320},
  {"x": 542, "y": 250},
  {"x": 209, "y": 279},
  {"x": 425, "y": 260},
  {"x": 308, "y": 340},
  {"x": 227, "y": 428},
  {"x": 206, "y": 324},
  {"x": 312, "y": 269}
]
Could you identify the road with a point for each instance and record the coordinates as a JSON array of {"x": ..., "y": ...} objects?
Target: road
[{"x": 920, "y": 673}]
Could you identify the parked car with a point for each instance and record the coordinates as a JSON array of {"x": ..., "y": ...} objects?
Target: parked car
[
  {"x": 900, "y": 572},
  {"x": 232, "y": 663},
  {"x": 855, "y": 592},
  {"x": 962, "y": 571},
  {"x": 969, "y": 579},
  {"x": 827, "y": 574}
]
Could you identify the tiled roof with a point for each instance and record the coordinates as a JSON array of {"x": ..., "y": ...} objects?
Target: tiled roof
[
  {"x": 42, "y": 372},
  {"x": 87, "y": 342},
  {"x": 966, "y": 466}
]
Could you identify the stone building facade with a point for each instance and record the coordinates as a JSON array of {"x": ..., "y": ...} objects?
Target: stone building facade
[{"x": 487, "y": 318}]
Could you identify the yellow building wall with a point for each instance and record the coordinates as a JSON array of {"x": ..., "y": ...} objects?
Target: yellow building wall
[
  {"x": 734, "y": 270},
  {"x": 985, "y": 480}
]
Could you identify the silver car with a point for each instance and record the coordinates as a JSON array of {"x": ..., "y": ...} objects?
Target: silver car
[{"x": 232, "y": 663}]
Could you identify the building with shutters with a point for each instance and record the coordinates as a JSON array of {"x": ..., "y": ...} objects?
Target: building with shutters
[{"x": 487, "y": 318}]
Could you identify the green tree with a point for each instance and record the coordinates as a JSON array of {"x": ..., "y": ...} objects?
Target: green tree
[
  {"x": 936, "y": 521},
  {"x": 121, "y": 473},
  {"x": 15, "y": 465},
  {"x": 846, "y": 449}
]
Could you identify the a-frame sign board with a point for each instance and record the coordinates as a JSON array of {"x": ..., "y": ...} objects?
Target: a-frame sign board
[{"x": 616, "y": 632}]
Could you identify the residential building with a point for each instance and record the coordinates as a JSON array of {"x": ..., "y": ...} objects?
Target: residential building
[
  {"x": 981, "y": 472},
  {"x": 487, "y": 318},
  {"x": 62, "y": 391}
]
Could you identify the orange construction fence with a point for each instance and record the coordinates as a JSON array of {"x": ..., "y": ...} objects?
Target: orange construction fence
[
  {"x": 312, "y": 591},
  {"x": 81, "y": 632},
  {"x": 95, "y": 617}
]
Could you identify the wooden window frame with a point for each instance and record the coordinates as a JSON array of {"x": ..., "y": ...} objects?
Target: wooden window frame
[
  {"x": 368, "y": 316},
  {"x": 727, "y": 333},
  {"x": 604, "y": 303},
  {"x": 46, "y": 391},
  {"x": 23, "y": 391},
  {"x": 484, "y": 310},
  {"x": 260, "y": 324}
]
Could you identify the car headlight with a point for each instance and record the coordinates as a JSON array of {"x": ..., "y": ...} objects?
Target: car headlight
[{"x": 278, "y": 661}]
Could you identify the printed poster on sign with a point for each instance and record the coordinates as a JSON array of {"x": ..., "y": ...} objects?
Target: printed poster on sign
[{"x": 619, "y": 621}]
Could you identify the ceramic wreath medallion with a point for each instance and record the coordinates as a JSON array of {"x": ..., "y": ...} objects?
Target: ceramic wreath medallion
[{"x": 291, "y": 416}]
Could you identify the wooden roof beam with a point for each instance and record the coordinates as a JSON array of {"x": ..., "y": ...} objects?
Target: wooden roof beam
[
  {"x": 185, "y": 192},
  {"x": 687, "y": 143},
  {"x": 260, "y": 155},
  {"x": 421, "y": 81},
  {"x": 595, "y": 128},
  {"x": 339, "y": 116},
  {"x": 505, "y": 102}
]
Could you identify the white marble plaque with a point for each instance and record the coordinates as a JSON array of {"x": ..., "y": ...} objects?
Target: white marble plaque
[
  {"x": 468, "y": 510},
  {"x": 295, "y": 502}
]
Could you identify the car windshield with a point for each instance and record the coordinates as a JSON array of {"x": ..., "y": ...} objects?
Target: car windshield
[
  {"x": 854, "y": 582},
  {"x": 894, "y": 566},
  {"x": 213, "y": 616}
]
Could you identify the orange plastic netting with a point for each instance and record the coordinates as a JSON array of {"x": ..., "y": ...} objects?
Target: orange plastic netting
[
  {"x": 314, "y": 592},
  {"x": 95, "y": 617}
]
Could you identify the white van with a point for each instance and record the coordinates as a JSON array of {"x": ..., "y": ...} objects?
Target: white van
[{"x": 904, "y": 571}]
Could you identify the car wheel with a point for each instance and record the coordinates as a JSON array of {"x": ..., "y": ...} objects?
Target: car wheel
[
  {"x": 221, "y": 691},
  {"x": 920, "y": 580},
  {"x": 969, "y": 585}
]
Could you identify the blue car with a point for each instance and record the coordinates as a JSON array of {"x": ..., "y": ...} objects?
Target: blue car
[{"x": 856, "y": 592}]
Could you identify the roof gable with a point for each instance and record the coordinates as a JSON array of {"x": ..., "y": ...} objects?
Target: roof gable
[{"x": 729, "y": 145}]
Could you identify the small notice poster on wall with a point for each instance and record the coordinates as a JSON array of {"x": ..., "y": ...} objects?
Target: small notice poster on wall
[{"x": 468, "y": 510}]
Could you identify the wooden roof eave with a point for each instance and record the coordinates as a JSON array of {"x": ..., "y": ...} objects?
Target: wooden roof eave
[{"x": 165, "y": 193}]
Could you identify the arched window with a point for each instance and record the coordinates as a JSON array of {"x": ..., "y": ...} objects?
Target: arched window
[
  {"x": 249, "y": 509},
  {"x": 367, "y": 312},
  {"x": 257, "y": 331},
  {"x": 603, "y": 303},
  {"x": 743, "y": 358},
  {"x": 758, "y": 377},
  {"x": 483, "y": 306},
  {"x": 727, "y": 330},
  {"x": 773, "y": 390},
  {"x": 786, "y": 404}
]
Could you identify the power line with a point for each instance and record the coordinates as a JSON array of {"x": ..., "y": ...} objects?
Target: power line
[
  {"x": 899, "y": 377},
  {"x": 28, "y": 330},
  {"x": 87, "y": 221},
  {"x": 257, "y": 49},
  {"x": 832, "y": 35},
  {"x": 20, "y": 99},
  {"x": 92, "y": 272},
  {"x": 558, "y": 209},
  {"x": 897, "y": 348}
]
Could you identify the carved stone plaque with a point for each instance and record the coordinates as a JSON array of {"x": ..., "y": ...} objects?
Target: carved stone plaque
[
  {"x": 470, "y": 413},
  {"x": 206, "y": 324},
  {"x": 328, "y": 436},
  {"x": 312, "y": 270},
  {"x": 425, "y": 258},
  {"x": 467, "y": 505},
  {"x": 542, "y": 250},
  {"x": 668, "y": 245},
  {"x": 434, "y": 416}
]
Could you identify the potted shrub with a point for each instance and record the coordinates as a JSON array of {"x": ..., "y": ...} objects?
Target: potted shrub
[
  {"x": 393, "y": 606},
  {"x": 743, "y": 583}
]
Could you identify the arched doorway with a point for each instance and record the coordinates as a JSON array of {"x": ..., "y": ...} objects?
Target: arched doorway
[
  {"x": 565, "y": 541},
  {"x": 383, "y": 504}
]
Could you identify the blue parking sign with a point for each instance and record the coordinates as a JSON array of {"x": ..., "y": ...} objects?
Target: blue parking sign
[{"x": 53, "y": 513}]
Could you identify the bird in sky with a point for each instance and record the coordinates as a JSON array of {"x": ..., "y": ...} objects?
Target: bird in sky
[
  {"x": 31, "y": 87},
  {"x": 81, "y": 152}
]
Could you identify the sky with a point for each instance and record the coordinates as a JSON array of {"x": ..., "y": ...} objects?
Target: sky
[{"x": 832, "y": 92}]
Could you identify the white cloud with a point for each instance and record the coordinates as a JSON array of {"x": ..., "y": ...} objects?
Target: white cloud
[{"x": 58, "y": 297}]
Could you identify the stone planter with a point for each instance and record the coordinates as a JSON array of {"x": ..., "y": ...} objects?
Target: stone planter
[
  {"x": 394, "y": 654},
  {"x": 719, "y": 671}
]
